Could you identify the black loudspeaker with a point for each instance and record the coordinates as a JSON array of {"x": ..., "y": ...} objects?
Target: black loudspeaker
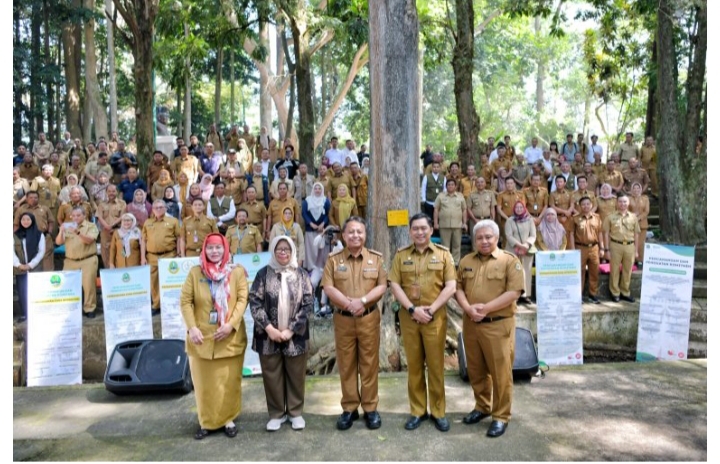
[
  {"x": 526, "y": 359},
  {"x": 145, "y": 366}
]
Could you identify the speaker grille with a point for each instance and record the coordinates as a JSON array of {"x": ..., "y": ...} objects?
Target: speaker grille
[{"x": 161, "y": 362}]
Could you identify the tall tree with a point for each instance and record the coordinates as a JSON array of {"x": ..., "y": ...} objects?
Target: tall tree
[
  {"x": 71, "y": 58},
  {"x": 110, "y": 12},
  {"x": 92, "y": 89}
]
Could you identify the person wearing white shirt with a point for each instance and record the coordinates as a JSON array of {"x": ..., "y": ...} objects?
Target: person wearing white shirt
[
  {"x": 594, "y": 148},
  {"x": 568, "y": 175},
  {"x": 221, "y": 208},
  {"x": 333, "y": 154},
  {"x": 533, "y": 153},
  {"x": 350, "y": 152},
  {"x": 266, "y": 162},
  {"x": 29, "y": 249}
]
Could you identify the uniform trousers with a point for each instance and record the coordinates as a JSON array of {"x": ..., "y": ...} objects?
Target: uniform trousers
[
  {"x": 566, "y": 225},
  {"x": 425, "y": 345},
  {"x": 625, "y": 255},
  {"x": 284, "y": 382},
  {"x": 641, "y": 244},
  {"x": 105, "y": 239},
  {"x": 48, "y": 262},
  {"x": 89, "y": 268},
  {"x": 590, "y": 257},
  {"x": 357, "y": 348},
  {"x": 152, "y": 260},
  {"x": 452, "y": 239},
  {"x": 527, "y": 262},
  {"x": 490, "y": 353}
]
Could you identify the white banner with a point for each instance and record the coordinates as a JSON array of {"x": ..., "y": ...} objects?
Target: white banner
[
  {"x": 126, "y": 305},
  {"x": 665, "y": 302},
  {"x": 558, "y": 291},
  {"x": 172, "y": 273},
  {"x": 252, "y": 262},
  {"x": 54, "y": 351},
  {"x": 251, "y": 365}
]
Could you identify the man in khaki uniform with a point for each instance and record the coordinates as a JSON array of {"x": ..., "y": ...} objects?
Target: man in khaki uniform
[
  {"x": 621, "y": 230},
  {"x": 490, "y": 281},
  {"x": 581, "y": 193},
  {"x": 502, "y": 160},
  {"x": 481, "y": 204},
  {"x": 244, "y": 237},
  {"x": 355, "y": 279},
  {"x": 248, "y": 138},
  {"x": 598, "y": 168},
  {"x": 450, "y": 217},
  {"x": 257, "y": 213},
  {"x": 214, "y": 137},
  {"x": 422, "y": 279},
  {"x": 109, "y": 217},
  {"x": 20, "y": 188},
  {"x": 283, "y": 179},
  {"x": 93, "y": 170},
  {"x": 45, "y": 222},
  {"x": 48, "y": 187},
  {"x": 76, "y": 201},
  {"x": 41, "y": 150},
  {"x": 234, "y": 187},
  {"x": 613, "y": 177},
  {"x": 586, "y": 236},
  {"x": 467, "y": 183},
  {"x": 279, "y": 204},
  {"x": 323, "y": 177},
  {"x": 81, "y": 254},
  {"x": 506, "y": 202},
  {"x": 521, "y": 171},
  {"x": 188, "y": 164},
  {"x": 195, "y": 228},
  {"x": 628, "y": 150},
  {"x": 261, "y": 183},
  {"x": 536, "y": 198},
  {"x": 28, "y": 169},
  {"x": 635, "y": 174},
  {"x": 593, "y": 182},
  {"x": 163, "y": 239},
  {"x": 158, "y": 164},
  {"x": 561, "y": 200},
  {"x": 334, "y": 182},
  {"x": 360, "y": 188},
  {"x": 303, "y": 183},
  {"x": 648, "y": 159}
]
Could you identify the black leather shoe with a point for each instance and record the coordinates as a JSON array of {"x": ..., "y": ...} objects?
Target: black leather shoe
[
  {"x": 201, "y": 433},
  {"x": 90, "y": 315},
  {"x": 414, "y": 421},
  {"x": 372, "y": 420},
  {"x": 345, "y": 421},
  {"x": 594, "y": 299},
  {"x": 475, "y": 416},
  {"x": 629, "y": 299},
  {"x": 155, "y": 312},
  {"x": 441, "y": 423},
  {"x": 616, "y": 299},
  {"x": 496, "y": 429},
  {"x": 230, "y": 432}
]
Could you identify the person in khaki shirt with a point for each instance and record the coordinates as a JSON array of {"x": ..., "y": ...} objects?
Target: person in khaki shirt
[
  {"x": 277, "y": 205},
  {"x": 481, "y": 203},
  {"x": 45, "y": 223},
  {"x": 80, "y": 239},
  {"x": 640, "y": 206},
  {"x": 501, "y": 161},
  {"x": 214, "y": 137},
  {"x": 577, "y": 167},
  {"x": 621, "y": 231},
  {"x": 76, "y": 201},
  {"x": 593, "y": 182},
  {"x": 355, "y": 279},
  {"x": 613, "y": 177},
  {"x": 235, "y": 187},
  {"x": 467, "y": 184},
  {"x": 634, "y": 174},
  {"x": 334, "y": 182},
  {"x": 159, "y": 163},
  {"x": 648, "y": 159},
  {"x": 423, "y": 279},
  {"x": 598, "y": 167},
  {"x": 188, "y": 164},
  {"x": 163, "y": 239},
  {"x": 257, "y": 213},
  {"x": 561, "y": 200},
  {"x": 450, "y": 217},
  {"x": 536, "y": 198},
  {"x": 360, "y": 188},
  {"x": 586, "y": 236},
  {"x": 580, "y": 193},
  {"x": 490, "y": 281},
  {"x": 324, "y": 178},
  {"x": 506, "y": 202},
  {"x": 628, "y": 150},
  {"x": 48, "y": 187},
  {"x": 195, "y": 228},
  {"x": 28, "y": 169},
  {"x": 41, "y": 150},
  {"x": 282, "y": 179},
  {"x": 109, "y": 216},
  {"x": 521, "y": 172},
  {"x": 93, "y": 169},
  {"x": 260, "y": 182},
  {"x": 244, "y": 237},
  {"x": 126, "y": 245}
]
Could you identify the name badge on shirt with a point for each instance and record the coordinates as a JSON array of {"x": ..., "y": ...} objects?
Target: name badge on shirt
[
  {"x": 213, "y": 317},
  {"x": 342, "y": 268}
]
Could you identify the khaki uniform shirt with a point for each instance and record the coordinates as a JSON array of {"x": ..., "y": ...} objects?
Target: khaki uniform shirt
[
  {"x": 577, "y": 195},
  {"x": 94, "y": 169},
  {"x": 353, "y": 276},
  {"x": 246, "y": 240},
  {"x": 43, "y": 216},
  {"x": 562, "y": 200},
  {"x": 627, "y": 151},
  {"x": 257, "y": 182},
  {"x": 422, "y": 276},
  {"x": 506, "y": 201},
  {"x": 484, "y": 278},
  {"x": 521, "y": 173},
  {"x": 110, "y": 212},
  {"x": 325, "y": 183},
  {"x": 249, "y": 140},
  {"x": 467, "y": 186},
  {"x": 639, "y": 175},
  {"x": 536, "y": 201},
  {"x": 161, "y": 235},
  {"x": 482, "y": 204},
  {"x": 41, "y": 151},
  {"x": 587, "y": 229},
  {"x": 606, "y": 206},
  {"x": 577, "y": 168},
  {"x": 450, "y": 208},
  {"x": 622, "y": 228},
  {"x": 216, "y": 139},
  {"x": 599, "y": 170},
  {"x": 29, "y": 171},
  {"x": 190, "y": 166},
  {"x": 277, "y": 206},
  {"x": 334, "y": 183},
  {"x": 65, "y": 210},
  {"x": 256, "y": 212},
  {"x": 288, "y": 182},
  {"x": 615, "y": 179},
  {"x": 47, "y": 189},
  {"x": 153, "y": 171},
  {"x": 195, "y": 229},
  {"x": 502, "y": 162},
  {"x": 648, "y": 157},
  {"x": 75, "y": 248},
  {"x": 303, "y": 187},
  {"x": 235, "y": 189},
  {"x": 361, "y": 189}
]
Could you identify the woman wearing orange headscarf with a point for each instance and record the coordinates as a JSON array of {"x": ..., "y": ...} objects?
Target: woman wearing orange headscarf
[{"x": 212, "y": 302}]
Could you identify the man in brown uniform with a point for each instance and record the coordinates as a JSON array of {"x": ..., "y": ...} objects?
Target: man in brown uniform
[
  {"x": 648, "y": 159},
  {"x": 76, "y": 201},
  {"x": 41, "y": 150},
  {"x": 586, "y": 236},
  {"x": 635, "y": 174},
  {"x": 244, "y": 237},
  {"x": 195, "y": 228},
  {"x": 45, "y": 222},
  {"x": 163, "y": 239},
  {"x": 28, "y": 169},
  {"x": 158, "y": 164},
  {"x": 334, "y": 182},
  {"x": 48, "y": 187},
  {"x": 490, "y": 281},
  {"x": 481, "y": 204},
  {"x": 214, "y": 137},
  {"x": 613, "y": 177},
  {"x": 506, "y": 202},
  {"x": 467, "y": 183},
  {"x": 450, "y": 217},
  {"x": 621, "y": 230},
  {"x": 109, "y": 217},
  {"x": 279, "y": 204},
  {"x": 261, "y": 184},
  {"x": 501, "y": 161},
  {"x": 93, "y": 169},
  {"x": 234, "y": 187},
  {"x": 188, "y": 164},
  {"x": 422, "y": 279},
  {"x": 628, "y": 150},
  {"x": 581, "y": 193},
  {"x": 536, "y": 198},
  {"x": 561, "y": 200},
  {"x": 355, "y": 279},
  {"x": 593, "y": 182},
  {"x": 360, "y": 187},
  {"x": 248, "y": 138},
  {"x": 81, "y": 254},
  {"x": 323, "y": 177},
  {"x": 257, "y": 213}
]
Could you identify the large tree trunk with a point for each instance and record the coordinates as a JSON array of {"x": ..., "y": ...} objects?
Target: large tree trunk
[
  {"x": 265, "y": 99},
  {"x": 651, "y": 108},
  {"x": 541, "y": 71},
  {"x": 232, "y": 86},
  {"x": 683, "y": 198},
  {"x": 696, "y": 79},
  {"x": 218, "y": 86},
  {"x": 288, "y": 120},
  {"x": 36, "y": 98},
  {"x": 72, "y": 78},
  {"x": 17, "y": 82},
  {"x": 112, "y": 86},
  {"x": 49, "y": 93},
  {"x": 305, "y": 91},
  {"x": 462, "y": 63},
  {"x": 394, "y": 140},
  {"x": 187, "y": 107},
  {"x": 92, "y": 89}
]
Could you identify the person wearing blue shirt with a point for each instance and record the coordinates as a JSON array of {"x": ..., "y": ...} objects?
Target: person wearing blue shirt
[{"x": 128, "y": 186}]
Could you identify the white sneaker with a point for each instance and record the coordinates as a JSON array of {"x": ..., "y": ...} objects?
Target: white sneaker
[
  {"x": 275, "y": 424},
  {"x": 298, "y": 423}
]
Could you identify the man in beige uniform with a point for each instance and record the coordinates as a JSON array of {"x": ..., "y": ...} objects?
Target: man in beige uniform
[
  {"x": 648, "y": 159},
  {"x": 244, "y": 237},
  {"x": 422, "y": 279},
  {"x": 48, "y": 188},
  {"x": 451, "y": 217},
  {"x": 195, "y": 228},
  {"x": 621, "y": 230},
  {"x": 76, "y": 201},
  {"x": 536, "y": 198},
  {"x": 355, "y": 279},
  {"x": 628, "y": 150},
  {"x": 613, "y": 177},
  {"x": 338, "y": 178},
  {"x": 634, "y": 173},
  {"x": 586, "y": 236},
  {"x": 163, "y": 239},
  {"x": 81, "y": 254},
  {"x": 109, "y": 216},
  {"x": 279, "y": 204},
  {"x": 481, "y": 203},
  {"x": 41, "y": 150},
  {"x": 188, "y": 164},
  {"x": 45, "y": 222},
  {"x": 490, "y": 281},
  {"x": 257, "y": 213}
]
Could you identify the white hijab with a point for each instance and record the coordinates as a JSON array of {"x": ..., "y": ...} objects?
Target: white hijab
[
  {"x": 316, "y": 203},
  {"x": 287, "y": 278}
]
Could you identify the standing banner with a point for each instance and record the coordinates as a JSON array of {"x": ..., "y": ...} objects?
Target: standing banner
[
  {"x": 172, "y": 273},
  {"x": 559, "y": 307},
  {"x": 54, "y": 352},
  {"x": 665, "y": 302},
  {"x": 252, "y": 262},
  {"x": 126, "y": 305}
]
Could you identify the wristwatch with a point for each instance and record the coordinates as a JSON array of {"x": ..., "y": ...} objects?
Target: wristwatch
[
  {"x": 363, "y": 300},
  {"x": 411, "y": 309}
]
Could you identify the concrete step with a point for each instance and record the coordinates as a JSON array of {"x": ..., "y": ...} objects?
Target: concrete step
[
  {"x": 698, "y": 311},
  {"x": 697, "y": 350},
  {"x": 698, "y": 332},
  {"x": 701, "y": 254},
  {"x": 699, "y": 288},
  {"x": 700, "y": 271},
  {"x": 654, "y": 219}
]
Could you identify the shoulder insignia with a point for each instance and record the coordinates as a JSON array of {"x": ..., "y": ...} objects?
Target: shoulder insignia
[
  {"x": 518, "y": 266},
  {"x": 335, "y": 253},
  {"x": 374, "y": 252},
  {"x": 442, "y": 247},
  {"x": 406, "y": 247}
]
